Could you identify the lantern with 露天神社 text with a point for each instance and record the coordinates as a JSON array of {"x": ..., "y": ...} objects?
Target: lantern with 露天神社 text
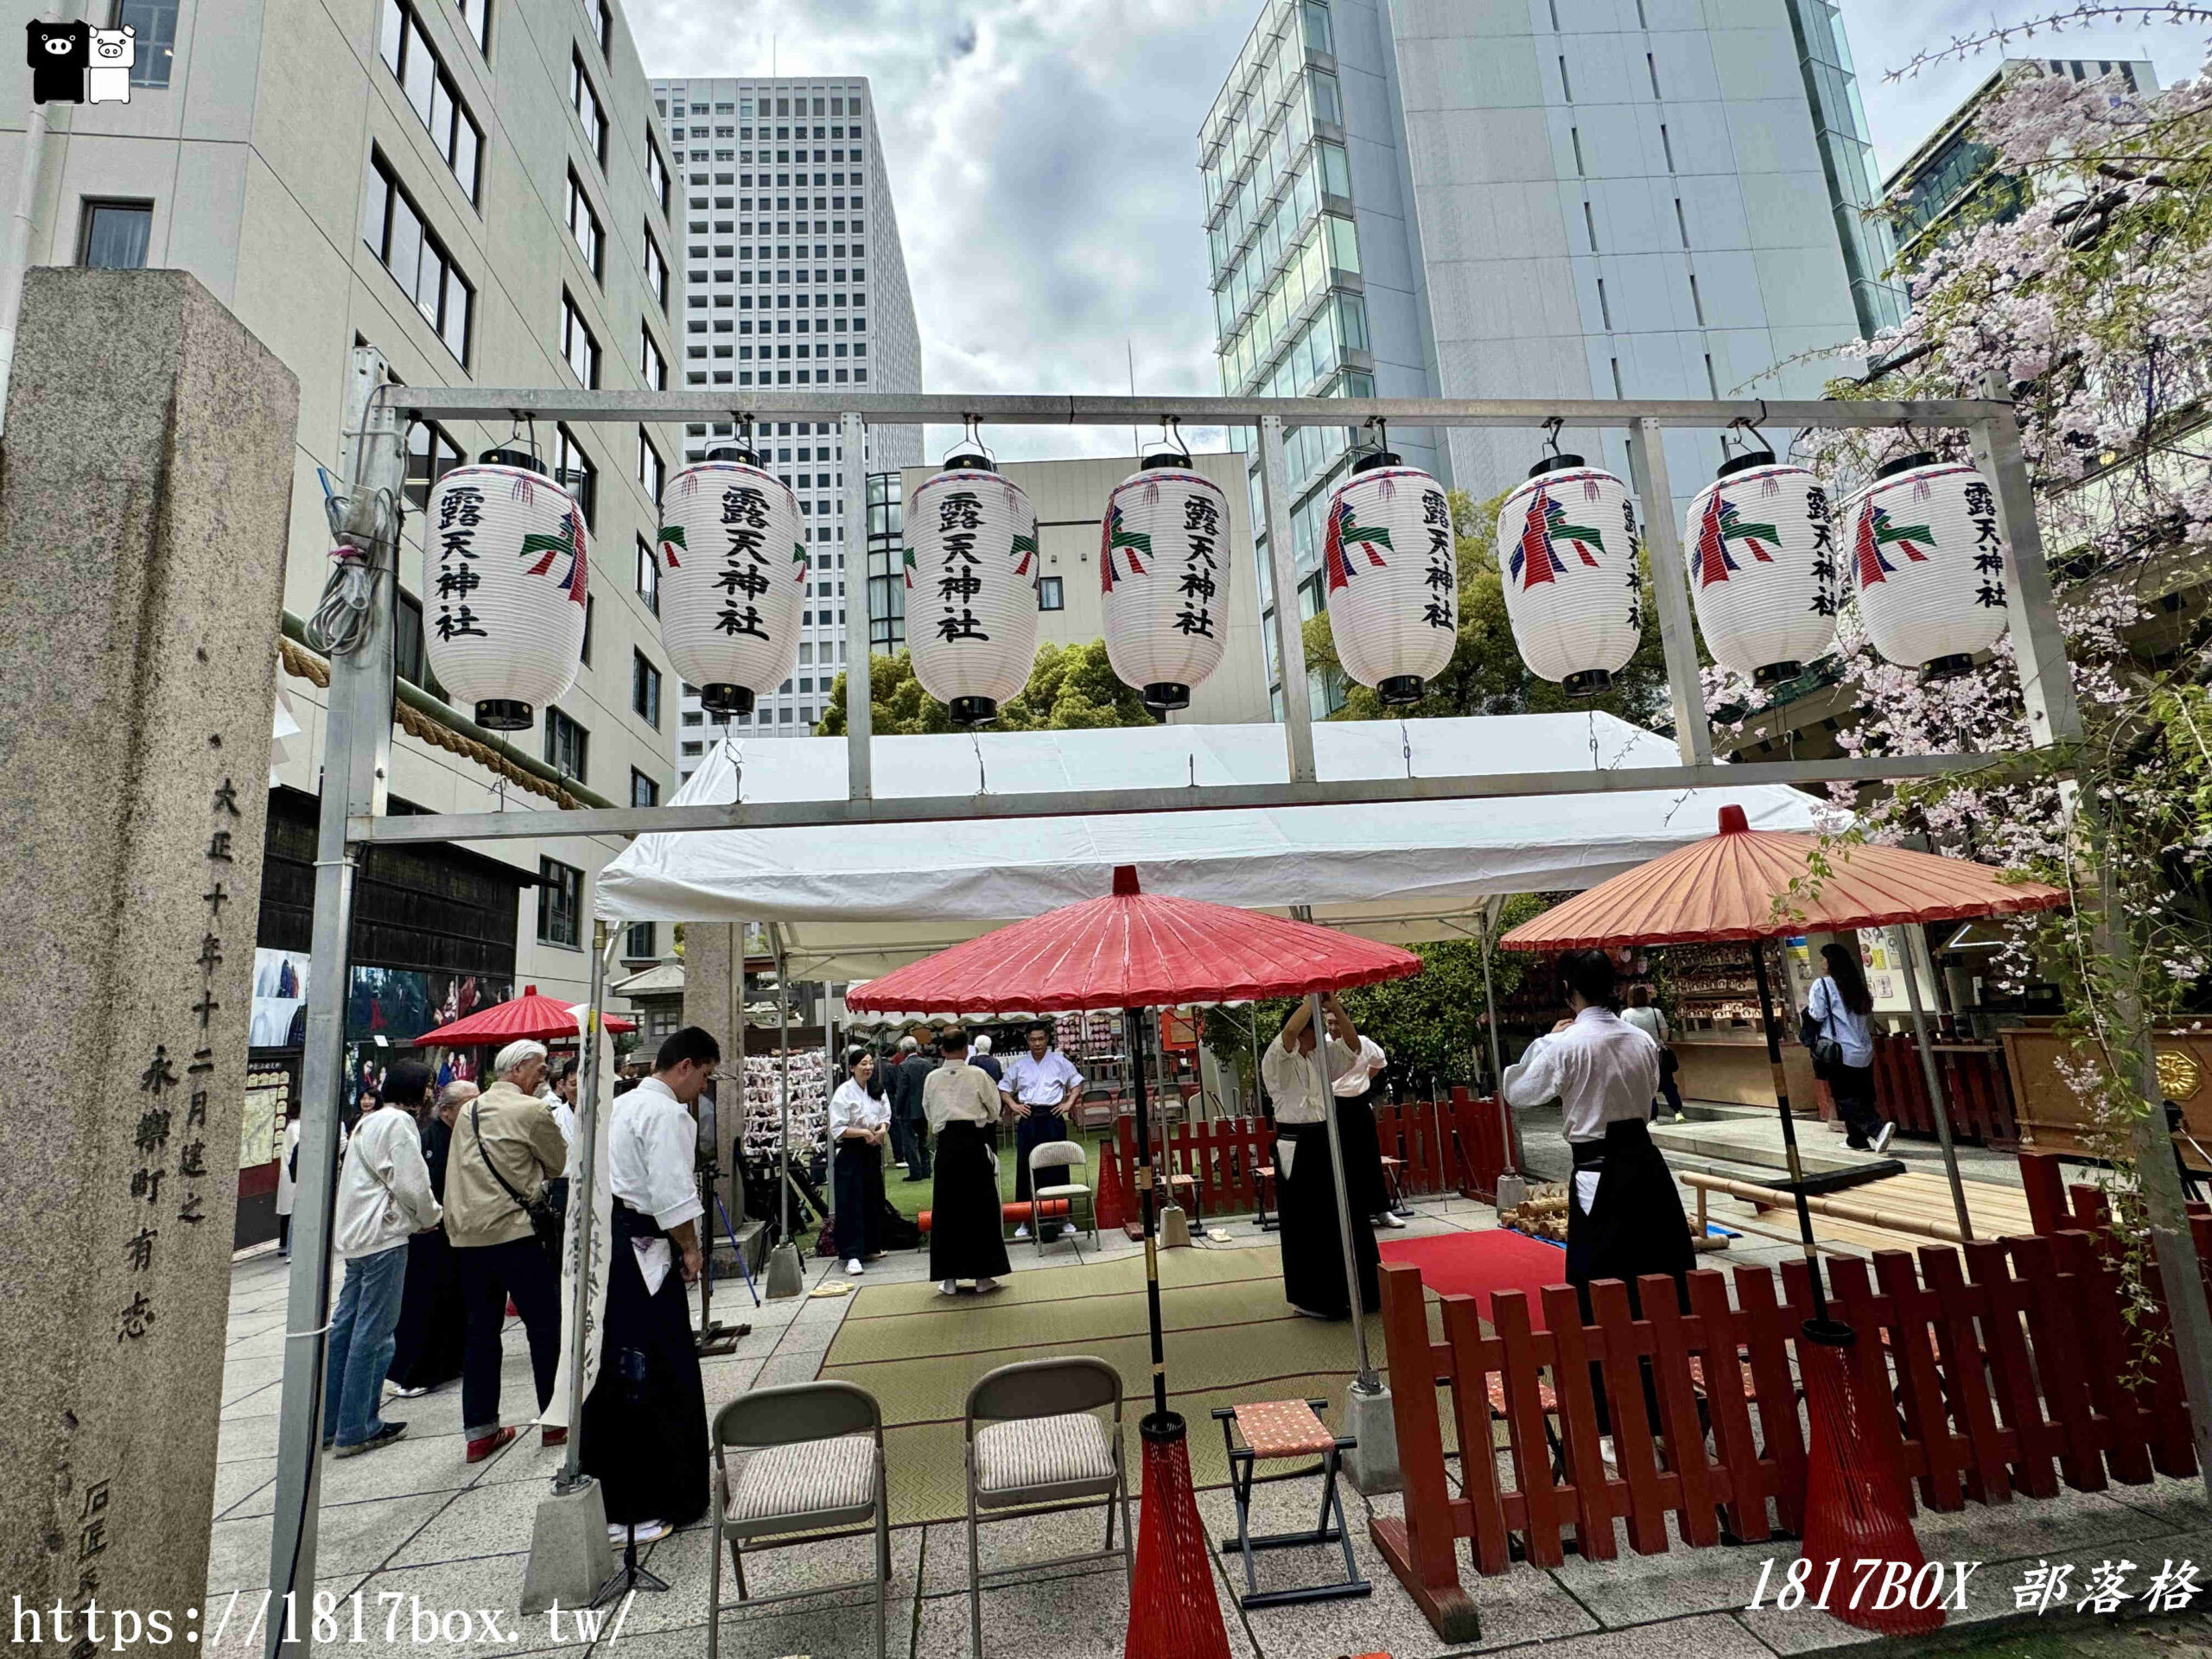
[
  {"x": 1391, "y": 575},
  {"x": 1761, "y": 544},
  {"x": 507, "y": 571},
  {"x": 732, "y": 577},
  {"x": 971, "y": 599},
  {"x": 1929, "y": 562},
  {"x": 1163, "y": 578},
  {"x": 1566, "y": 539}
]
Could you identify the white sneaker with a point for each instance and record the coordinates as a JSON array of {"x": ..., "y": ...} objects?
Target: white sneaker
[
  {"x": 854, "y": 1266},
  {"x": 1067, "y": 1230},
  {"x": 1389, "y": 1219},
  {"x": 1022, "y": 1232},
  {"x": 1882, "y": 1137},
  {"x": 948, "y": 1287},
  {"x": 983, "y": 1285}
]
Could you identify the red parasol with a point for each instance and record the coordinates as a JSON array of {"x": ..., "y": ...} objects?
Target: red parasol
[
  {"x": 1131, "y": 949},
  {"x": 1728, "y": 888},
  {"x": 527, "y": 1015},
  {"x": 1137, "y": 950}
]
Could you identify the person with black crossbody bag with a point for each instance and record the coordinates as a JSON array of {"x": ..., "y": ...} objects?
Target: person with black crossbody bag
[
  {"x": 1835, "y": 1028},
  {"x": 506, "y": 1229}
]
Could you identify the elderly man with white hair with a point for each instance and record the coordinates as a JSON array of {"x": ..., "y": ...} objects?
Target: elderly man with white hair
[{"x": 506, "y": 1148}]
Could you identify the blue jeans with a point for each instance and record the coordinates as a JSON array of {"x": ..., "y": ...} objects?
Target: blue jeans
[{"x": 360, "y": 1345}]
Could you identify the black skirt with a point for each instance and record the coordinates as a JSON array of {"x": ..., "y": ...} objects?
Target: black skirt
[
  {"x": 644, "y": 1422},
  {"x": 1635, "y": 1224},
  {"x": 856, "y": 1197},
  {"x": 1362, "y": 1149},
  {"x": 1313, "y": 1256},
  {"x": 967, "y": 1237},
  {"x": 432, "y": 1322}
]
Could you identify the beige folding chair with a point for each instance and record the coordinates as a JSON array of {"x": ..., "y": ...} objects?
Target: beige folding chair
[
  {"x": 1042, "y": 1444},
  {"x": 815, "y": 1461},
  {"x": 1061, "y": 1155}
]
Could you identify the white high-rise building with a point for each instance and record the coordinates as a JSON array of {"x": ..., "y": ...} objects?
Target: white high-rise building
[{"x": 794, "y": 281}]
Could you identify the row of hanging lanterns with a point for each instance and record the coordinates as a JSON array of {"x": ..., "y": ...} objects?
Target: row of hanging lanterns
[{"x": 1767, "y": 563}]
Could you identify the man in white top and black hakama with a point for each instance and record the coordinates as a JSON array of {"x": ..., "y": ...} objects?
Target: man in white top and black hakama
[
  {"x": 1364, "y": 1188},
  {"x": 644, "y": 1423},
  {"x": 967, "y": 1234},
  {"x": 1623, "y": 1216},
  {"x": 859, "y": 1123},
  {"x": 1312, "y": 1255},
  {"x": 1038, "y": 1087}
]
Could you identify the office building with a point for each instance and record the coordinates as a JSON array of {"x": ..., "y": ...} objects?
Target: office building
[
  {"x": 1931, "y": 192},
  {"x": 1584, "y": 199},
  {"x": 478, "y": 188},
  {"x": 1070, "y": 497},
  {"x": 794, "y": 281}
]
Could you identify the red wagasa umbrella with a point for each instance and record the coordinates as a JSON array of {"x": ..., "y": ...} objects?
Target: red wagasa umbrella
[{"x": 527, "y": 1015}]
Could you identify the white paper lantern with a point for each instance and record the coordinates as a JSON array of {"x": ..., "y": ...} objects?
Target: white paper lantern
[
  {"x": 971, "y": 606},
  {"x": 1930, "y": 563},
  {"x": 1761, "y": 545},
  {"x": 1566, "y": 538},
  {"x": 1163, "y": 579},
  {"x": 733, "y": 578},
  {"x": 1392, "y": 576},
  {"x": 507, "y": 573}
]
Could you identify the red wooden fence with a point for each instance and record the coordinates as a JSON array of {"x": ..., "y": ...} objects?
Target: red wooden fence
[
  {"x": 1975, "y": 1087},
  {"x": 2005, "y": 1365}
]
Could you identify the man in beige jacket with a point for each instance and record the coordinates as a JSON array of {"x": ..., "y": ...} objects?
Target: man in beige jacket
[{"x": 505, "y": 1147}]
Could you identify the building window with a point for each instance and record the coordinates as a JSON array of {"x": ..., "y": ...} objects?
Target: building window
[
  {"x": 567, "y": 745},
  {"x": 153, "y": 24},
  {"x": 638, "y": 943},
  {"x": 655, "y": 171},
  {"x": 393, "y": 228},
  {"x": 591, "y": 611},
  {"x": 606, "y": 31},
  {"x": 656, "y": 270},
  {"x": 648, "y": 576},
  {"x": 652, "y": 471},
  {"x": 430, "y": 455},
  {"x": 578, "y": 344},
  {"x": 576, "y": 473},
  {"x": 652, "y": 364},
  {"x": 584, "y": 226},
  {"x": 1049, "y": 596},
  {"x": 560, "y": 902},
  {"x": 644, "y": 688},
  {"x": 477, "y": 14},
  {"x": 590, "y": 111},
  {"x": 643, "y": 791},
  {"x": 430, "y": 93},
  {"x": 116, "y": 234}
]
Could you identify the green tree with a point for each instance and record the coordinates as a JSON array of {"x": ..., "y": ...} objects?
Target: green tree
[
  {"x": 1070, "y": 688},
  {"x": 1486, "y": 674}
]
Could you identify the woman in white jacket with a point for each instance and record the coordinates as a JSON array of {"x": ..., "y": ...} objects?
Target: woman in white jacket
[{"x": 384, "y": 1198}]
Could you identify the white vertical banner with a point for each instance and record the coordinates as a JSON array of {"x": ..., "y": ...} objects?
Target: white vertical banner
[{"x": 596, "y": 1114}]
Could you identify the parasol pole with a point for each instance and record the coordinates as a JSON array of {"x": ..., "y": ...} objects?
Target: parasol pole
[
  {"x": 785, "y": 1277},
  {"x": 1490, "y": 913},
  {"x": 1789, "y": 1127},
  {"x": 1367, "y": 1381},
  {"x": 1133, "y": 1033},
  {"x": 1934, "y": 1090}
]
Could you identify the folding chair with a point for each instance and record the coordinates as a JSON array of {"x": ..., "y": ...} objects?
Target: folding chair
[
  {"x": 815, "y": 1461},
  {"x": 1286, "y": 1428},
  {"x": 1042, "y": 1444},
  {"x": 1062, "y": 1155}
]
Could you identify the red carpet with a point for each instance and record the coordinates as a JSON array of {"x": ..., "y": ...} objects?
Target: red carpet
[{"x": 1475, "y": 1264}]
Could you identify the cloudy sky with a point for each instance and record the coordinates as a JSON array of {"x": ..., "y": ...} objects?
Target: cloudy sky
[{"x": 1043, "y": 156}]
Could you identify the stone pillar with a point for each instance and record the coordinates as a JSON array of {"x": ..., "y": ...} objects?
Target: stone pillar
[
  {"x": 714, "y": 997},
  {"x": 144, "y": 516}
]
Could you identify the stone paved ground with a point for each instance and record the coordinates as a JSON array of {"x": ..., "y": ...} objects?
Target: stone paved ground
[{"x": 415, "y": 1528}]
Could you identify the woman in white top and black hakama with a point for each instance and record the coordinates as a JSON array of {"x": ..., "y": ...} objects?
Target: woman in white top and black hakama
[
  {"x": 1313, "y": 1255},
  {"x": 859, "y": 1122},
  {"x": 966, "y": 1231}
]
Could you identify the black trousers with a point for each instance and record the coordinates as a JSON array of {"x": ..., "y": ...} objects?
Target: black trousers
[
  {"x": 1035, "y": 1130},
  {"x": 1313, "y": 1251},
  {"x": 490, "y": 1276},
  {"x": 1364, "y": 1189},
  {"x": 1853, "y": 1089},
  {"x": 966, "y": 1238},
  {"x": 433, "y": 1333},
  {"x": 856, "y": 1197},
  {"x": 645, "y": 1421},
  {"x": 1634, "y": 1225}
]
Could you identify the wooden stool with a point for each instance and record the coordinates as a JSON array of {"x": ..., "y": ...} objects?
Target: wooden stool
[
  {"x": 1263, "y": 1182},
  {"x": 1276, "y": 1429},
  {"x": 1390, "y": 1177}
]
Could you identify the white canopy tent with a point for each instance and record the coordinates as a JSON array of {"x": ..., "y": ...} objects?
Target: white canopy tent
[{"x": 853, "y": 903}]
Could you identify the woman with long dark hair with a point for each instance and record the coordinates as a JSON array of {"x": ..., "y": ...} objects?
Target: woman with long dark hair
[
  {"x": 859, "y": 1123},
  {"x": 1841, "y": 1002}
]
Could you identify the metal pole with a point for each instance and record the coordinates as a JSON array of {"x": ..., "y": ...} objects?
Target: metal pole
[
  {"x": 604, "y": 941},
  {"x": 784, "y": 1082},
  {"x": 357, "y": 744},
  {"x": 1367, "y": 1381},
  {"x": 860, "y": 709},
  {"x": 2053, "y": 717},
  {"x": 1647, "y": 451},
  {"x": 1496, "y": 1055},
  {"x": 1789, "y": 1126},
  {"x": 1133, "y": 1033},
  {"x": 1290, "y": 640},
  {"x": 1935, "y": 1082}
]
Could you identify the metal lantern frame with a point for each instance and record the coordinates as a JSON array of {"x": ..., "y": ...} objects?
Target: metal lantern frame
[{"x": 360, "y": 720}]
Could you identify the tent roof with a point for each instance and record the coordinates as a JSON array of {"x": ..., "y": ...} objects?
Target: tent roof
[{"x": 855, "y": 902}]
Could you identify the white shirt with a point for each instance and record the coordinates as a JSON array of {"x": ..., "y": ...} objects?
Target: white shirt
[
  {"x": 384, "y": 1188},
  {"x": 565, "y": 1116},
  {"x": 853, "y": 1108},
  {"x": 1048, "y": 1082},
  {"x": 286, "y": 1191},
  {"x": 1649, "y": 1021},
  {"x": 1601, "y": 1068},
  {"x": 653, "y": 1149},
  {"x": 1361, "y": 1075},
  {"x": 1291, "y": 1083},
  {"x": 1849, "y": 1029},
  {"x": 957, "y": 1092}
]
